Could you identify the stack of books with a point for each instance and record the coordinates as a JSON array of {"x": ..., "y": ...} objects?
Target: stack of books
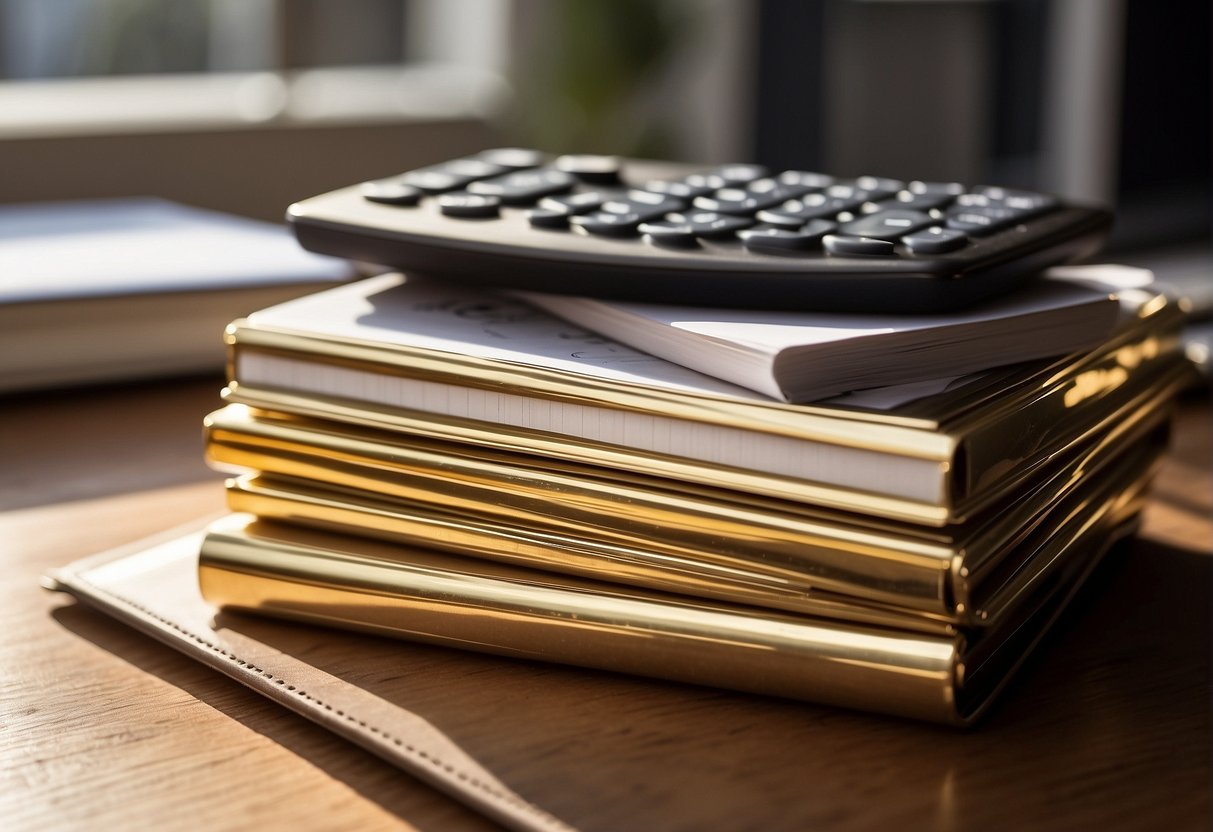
[{"x": 462, "y": 468}]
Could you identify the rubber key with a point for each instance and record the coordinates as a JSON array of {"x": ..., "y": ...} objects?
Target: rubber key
[
  {"x": 844, "y": 246},
  {"x": 712, "y": 226},
  {"x": 935, "y": 240},
  {"x": 771, "y": 238},
  {"x": 606, "y": 224},
  {"x": 888, "y": 225},
  {"x": 667, "y": 233},
  {"x": 391, "y": 192},
  {"x": 469, "y": 206},
  {"x": 524, "y": 187}
]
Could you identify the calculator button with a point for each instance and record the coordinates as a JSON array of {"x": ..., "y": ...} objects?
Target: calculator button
[
  {"x": 780, "y": 218},
  {"x": 576, "y": 203},
  {"x": 999, "y": 194},
  {"x": 547, "y": 218},
  {"x": 888, "y": 225},
  {"x": 842, "y": 198},
  {"x": 935, "y": 240},
  {"x": 879, "y": 187},
  {"x": 771, "y": 238},
  {"x": 974, "y": 201},
  {"x": 980, "y": 221},
  {"x": 806, "y": 178},
  {"x": 1025, "y": 202},
  {"x": 436, "y": 180},
  {"x": 818, "y": 206},
  {"x": 473, "y": 167},
  {"x": 678, "y": 188},
  {"x": 756, "y": 196},
  {"x": 710, "y": 225},
  {"x": 391, "y": 192},
  {"x": 917, "y": 202},
  {"x": 952, "y": 189},
  {"x": 452, "y": 175},
  {"x": 669, "y": 233},
  {"x": 468, "y": 206},
  {"x": 644, "y": 209},
  {"x": 648, "y": 201},
  {"x": 513, "y": 158},
  {"x": 976, "y": 224},
  {"x": 775, "y": 189},
  {"x": 736, "y": 201},
  {"x": 844, "y": 246},
  {"x": 607, "y": 224},
  {"x": 811, "y": 207},
  {"x": 727, "y": 176},
  {"x": 852, "y": 194},
  {"x": 598, "y": 169},
  {"x": 739, "y": 174},
  {"x": 523, "y": 187}
]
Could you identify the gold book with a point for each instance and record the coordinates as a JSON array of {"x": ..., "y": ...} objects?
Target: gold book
[
  {"x": 453, "y": 365},
  {"x": 289, "y": 571},
  {"x": 675, "y": 536}
]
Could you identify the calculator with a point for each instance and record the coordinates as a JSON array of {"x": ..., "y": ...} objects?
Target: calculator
[{"x": 735, "y": 235}]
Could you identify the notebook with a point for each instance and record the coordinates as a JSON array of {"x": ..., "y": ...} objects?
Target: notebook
[{"x": 108, "y": 290}]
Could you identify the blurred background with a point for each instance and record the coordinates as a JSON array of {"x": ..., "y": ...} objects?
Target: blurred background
[{"x": 248, "y": 105}]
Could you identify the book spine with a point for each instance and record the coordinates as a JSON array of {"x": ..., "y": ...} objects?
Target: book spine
[{"x": 1086, "y": 399}]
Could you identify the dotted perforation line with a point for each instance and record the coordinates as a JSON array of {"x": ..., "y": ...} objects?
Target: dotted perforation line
[{"x": 404, "y": 746}]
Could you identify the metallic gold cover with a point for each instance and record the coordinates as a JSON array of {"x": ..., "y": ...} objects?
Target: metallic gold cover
[
  {"x": 661, "y": 534},
  {"x": 968, "y": 448},
  {"x": 287, "y": 571}
]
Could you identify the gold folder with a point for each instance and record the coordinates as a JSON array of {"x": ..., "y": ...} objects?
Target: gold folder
[
  {"x": 669, "y": 535},
  {"x": 933, "y": 461},
  {"x": 289, "y": 571}
]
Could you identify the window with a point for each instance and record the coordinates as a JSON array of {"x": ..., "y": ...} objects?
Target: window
[{"x": 240, "y": 105}]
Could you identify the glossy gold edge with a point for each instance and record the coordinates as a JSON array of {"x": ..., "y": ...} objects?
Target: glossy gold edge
[
  {"x": 1057, "y": 543},
  {"x": 304, "y": 504},
  {"x": 281, "y": 570},
  {"x": 716, "y": 526},
  {"x": 1148, "y": 422},
  {"x": 890, "y": 564},
  {"x": 991, "y": 664},
  {"x": 1005, "y": 389},
  {"x": 537, "y": 443},
  {"x": 256, "y": 428},
  {"x": 1010, "y": 439},
  {"x": 1052, "y": 552},
  {"x": 285, "y": 571},
  {"x": 1159, "y": 389}
]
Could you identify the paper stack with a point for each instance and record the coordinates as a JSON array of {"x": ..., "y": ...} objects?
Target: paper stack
[{"x": 461, "y": 468}]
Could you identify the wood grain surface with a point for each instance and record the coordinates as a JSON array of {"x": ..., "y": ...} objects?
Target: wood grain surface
[{"x": 100, "y": 727}]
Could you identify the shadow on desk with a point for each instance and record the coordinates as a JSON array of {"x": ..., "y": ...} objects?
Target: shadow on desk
[{"x": 1110, "y": 722}]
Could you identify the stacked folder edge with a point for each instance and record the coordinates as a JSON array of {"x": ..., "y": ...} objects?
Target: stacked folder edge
[{"x": 396, "y": 521}]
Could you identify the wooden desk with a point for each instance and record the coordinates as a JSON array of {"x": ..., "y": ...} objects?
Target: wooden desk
[{"x": 102, "y": 728}]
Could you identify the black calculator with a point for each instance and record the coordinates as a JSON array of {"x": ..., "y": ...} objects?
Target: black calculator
[{"x": 736, "y": 235}]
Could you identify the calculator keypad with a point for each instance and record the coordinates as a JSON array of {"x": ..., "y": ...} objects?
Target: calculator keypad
[
  {"x": 738, "y": 235},
  {"x": 791, "y": 212}
]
